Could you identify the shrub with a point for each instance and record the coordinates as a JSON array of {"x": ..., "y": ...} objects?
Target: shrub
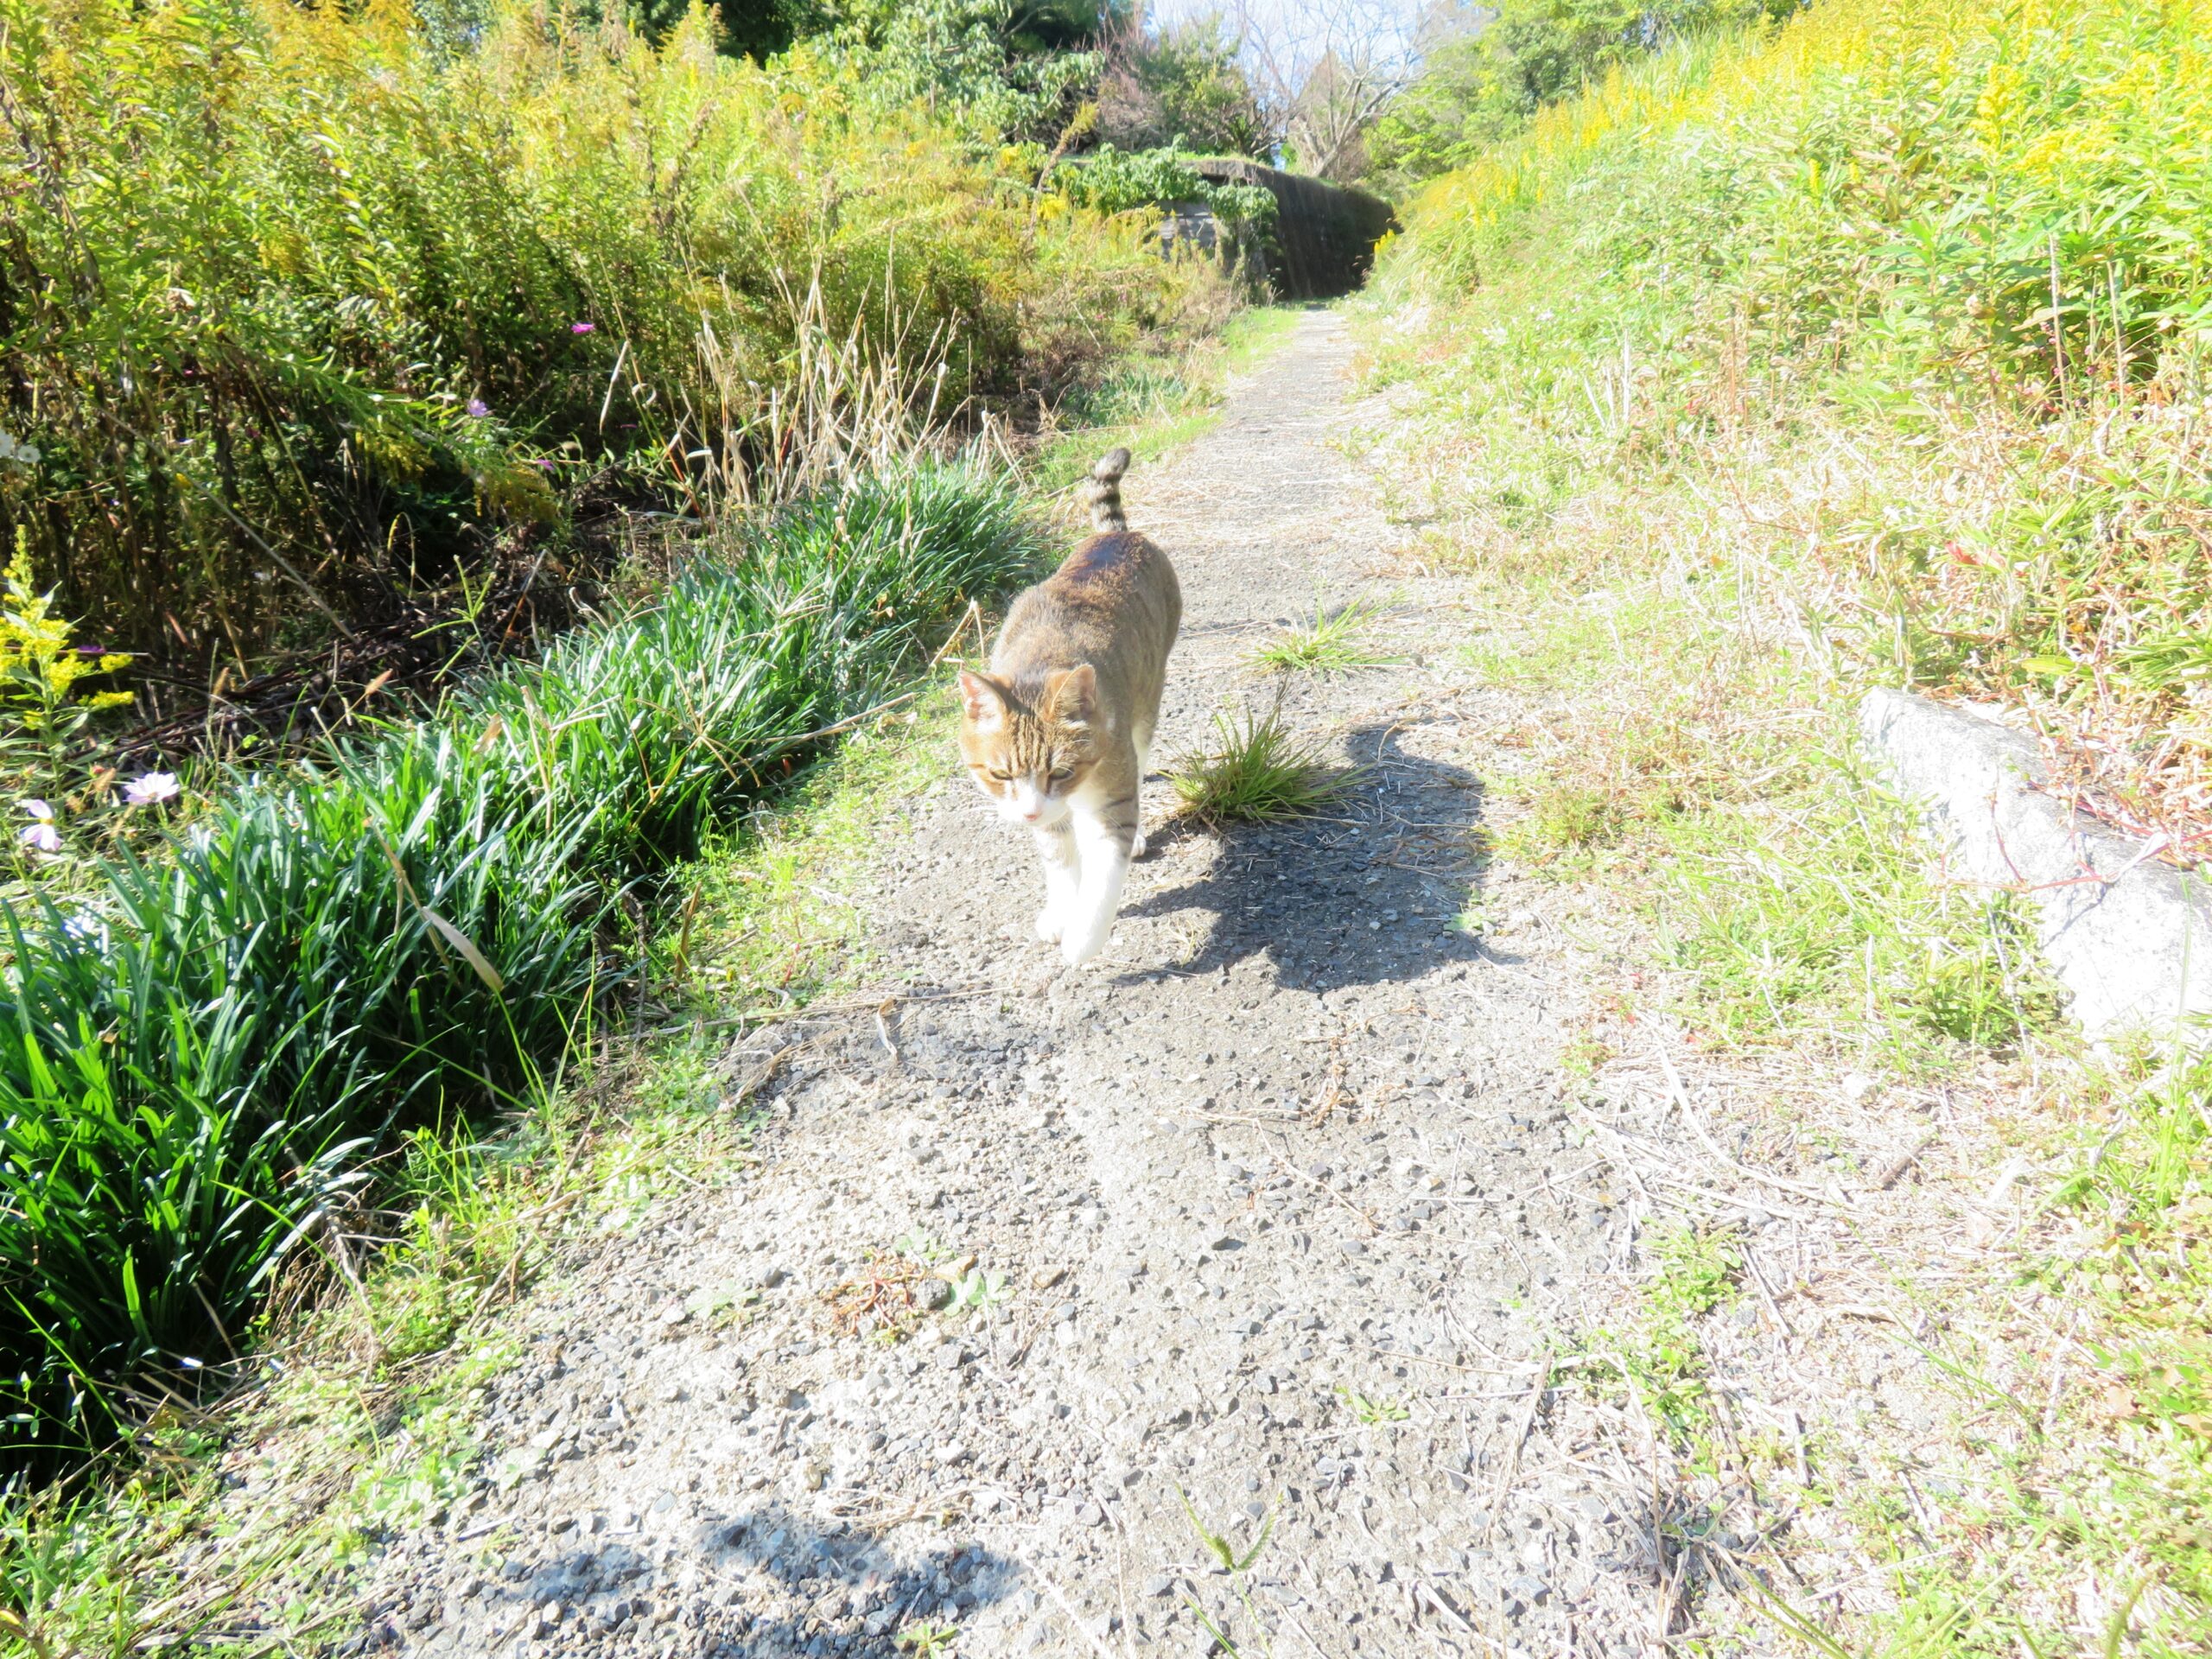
[
  {"x": 304, "y": 306},
  {"x": 1113, "y": 181}
]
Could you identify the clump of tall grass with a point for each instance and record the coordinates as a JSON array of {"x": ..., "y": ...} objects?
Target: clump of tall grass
[
  {"x": 1330, "y": 644},
  {"x": 200, "y": 1055},
  {"x": 1258, "y": 770}
]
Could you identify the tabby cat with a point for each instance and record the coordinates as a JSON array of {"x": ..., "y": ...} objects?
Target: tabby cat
[{"x": 1057, "y": 733}]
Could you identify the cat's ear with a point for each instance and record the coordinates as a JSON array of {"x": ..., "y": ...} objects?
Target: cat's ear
[
  {"x": 982, "y": 699},
  {"x": 1075, "y": 695}
]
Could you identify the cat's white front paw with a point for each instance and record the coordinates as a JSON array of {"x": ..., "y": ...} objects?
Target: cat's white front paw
[
  {"x": 1136, "y": 846},
  {"x": 1081, "y": 944},
  {"x": 1048, "y": 925}
]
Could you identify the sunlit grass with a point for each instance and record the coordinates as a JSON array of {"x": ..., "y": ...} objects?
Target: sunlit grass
[
  {"x": 1333, "y": 643},
  {"x": 1257, "y": 769},
  {"x": 209, "y": 1049},
  {"x": 1716, "y": 457}
]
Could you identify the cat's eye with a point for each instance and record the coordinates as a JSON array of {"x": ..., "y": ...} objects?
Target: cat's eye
[
  {"x": 998, "y": 776},
  {"x": 1061, "y": 775}
]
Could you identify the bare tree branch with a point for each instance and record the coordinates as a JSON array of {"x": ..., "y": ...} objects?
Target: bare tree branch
[{"x": 1325, "y": 69}]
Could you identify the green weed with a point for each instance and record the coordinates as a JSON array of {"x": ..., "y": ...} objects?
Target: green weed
[
  {"x": 1237, "y": 1564},
  {"x": 1330, "y": 644},
  {"x": 929, "y": 1640},
  {"x": 1698, "y": 1267},
  {"x": 1260, "y": 771},
  {"x": 1375, "y": 1411},
  {"x": 978, "y": 1291}
]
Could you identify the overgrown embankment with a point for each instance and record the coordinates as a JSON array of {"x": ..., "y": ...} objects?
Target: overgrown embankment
[
  {"x": 323, "y": 318},
  {"x": 1941, "y": 270},
  {"x": 1868, "y": 349}
]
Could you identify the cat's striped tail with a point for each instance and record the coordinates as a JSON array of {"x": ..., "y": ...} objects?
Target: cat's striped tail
[{"x": 1104, "y": 493}]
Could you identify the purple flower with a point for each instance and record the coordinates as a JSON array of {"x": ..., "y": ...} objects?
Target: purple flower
[
  {"x": 478, "y": 408},
  {"x": 151, "y": 789},
  {"x": 39, "y": 809},
  {"x": 41, "y": 837},
  {"x": 583, "y": 328}
]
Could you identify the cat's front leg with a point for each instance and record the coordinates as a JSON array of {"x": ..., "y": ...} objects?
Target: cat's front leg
[
  {"x": 1063, "y": 877},
  {"x": 1103, "y": 844}
]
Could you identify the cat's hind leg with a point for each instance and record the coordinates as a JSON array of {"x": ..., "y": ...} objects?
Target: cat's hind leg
[
  {"x": 1063, "y": 879},
  {"x": 1142, "y": 740}
]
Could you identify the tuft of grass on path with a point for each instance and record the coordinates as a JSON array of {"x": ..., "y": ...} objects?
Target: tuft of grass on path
[
  {"x": 1330, "y": 644},
  {"x": 1259, "y": 770}
]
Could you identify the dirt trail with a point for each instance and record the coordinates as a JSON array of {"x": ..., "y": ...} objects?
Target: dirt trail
[{"x": 1279, "y": 1191}]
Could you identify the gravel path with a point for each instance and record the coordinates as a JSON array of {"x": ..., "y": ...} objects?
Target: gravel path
[{"x": 1272, "y": 1207}]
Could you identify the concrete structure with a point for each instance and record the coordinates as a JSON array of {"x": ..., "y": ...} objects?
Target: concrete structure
[
  {"x": 1324, "y": 234},
  {"x": 2130, "y": 937}
]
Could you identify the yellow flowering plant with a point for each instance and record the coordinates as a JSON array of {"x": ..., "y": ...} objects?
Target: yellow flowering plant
[{"x": 43, "y": 707}]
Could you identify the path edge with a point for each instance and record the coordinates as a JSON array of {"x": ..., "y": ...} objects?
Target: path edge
[{"x": 2130, "y": 937}]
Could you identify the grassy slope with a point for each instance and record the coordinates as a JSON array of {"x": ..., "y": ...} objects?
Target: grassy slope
[
  {"x": 1705, "y": 509},
  {"x": 1938, "y": 269}
]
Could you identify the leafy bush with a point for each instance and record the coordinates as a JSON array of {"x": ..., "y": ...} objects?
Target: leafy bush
[
  {"x": 198, "y": 1059},
  {"x": 1017, "y": 68},
  {"x": 303, "y": 305},
  {"x": 1114, "y": 182}
]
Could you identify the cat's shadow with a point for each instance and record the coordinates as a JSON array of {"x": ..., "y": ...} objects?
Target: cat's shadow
[
  {"x": 1377, "y": 891},
  {"x": 741, "y": 1551}
]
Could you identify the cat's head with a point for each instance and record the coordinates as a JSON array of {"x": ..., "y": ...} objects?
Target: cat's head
[{"x": 1030, "y": 758}]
